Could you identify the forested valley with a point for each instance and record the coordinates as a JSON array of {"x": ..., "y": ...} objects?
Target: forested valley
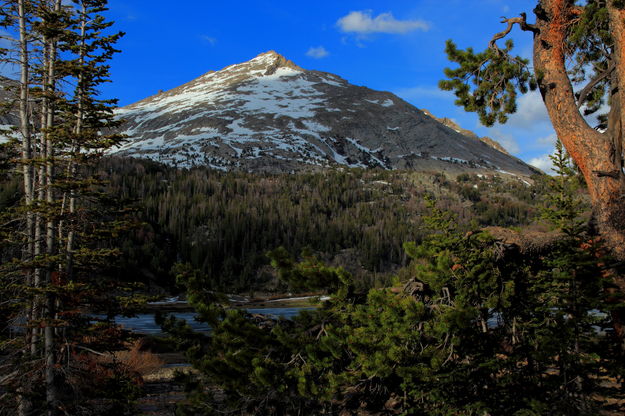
[{"x": 223, "y": 224}]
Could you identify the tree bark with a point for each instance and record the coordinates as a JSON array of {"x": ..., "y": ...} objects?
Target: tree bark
[
  {"x": 24, "y": 403},
  {"x": 616, "y": 223},
  {"x": 75, "y": 148},
  {"x": 593, "y": 152},
  {"x": 25, "y": 128},
  {"x": 52, "y": 397}
]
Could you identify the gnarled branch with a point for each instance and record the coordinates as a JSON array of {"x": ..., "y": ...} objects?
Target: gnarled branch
[{"x": 521, "y": 21}]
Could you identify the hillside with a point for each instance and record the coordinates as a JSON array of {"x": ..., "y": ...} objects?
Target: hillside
[{"x": 224, "y": 223}]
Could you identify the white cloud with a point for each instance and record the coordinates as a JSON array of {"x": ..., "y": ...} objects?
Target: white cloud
[
  {"x": 543, "y": 163},
  {"x": 363, "y": 23},
  {"x": 317, "y": 52},
  {"x": 547, "y": 141},
  {"x": 423, "y": 92},
  {"x": 209, "y": 39},
  {"x": 506, "y": 140},
  {"x": 531, "y": 111}
]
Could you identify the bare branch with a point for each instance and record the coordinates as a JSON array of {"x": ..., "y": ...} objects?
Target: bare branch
[
  {"x": 615, "y": 174},
  {"x": 8, "y": 377},
  {"x": 91, "y": 351},
  {"x": 521, "y": 21}
]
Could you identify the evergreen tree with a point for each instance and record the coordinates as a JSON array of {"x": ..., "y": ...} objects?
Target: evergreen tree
[
  {"x": 476, "y": 329},
  {"x": 49, "y": 344},
  {"x": 223, "y": 223},
  {"x": 578, "y": 66}
]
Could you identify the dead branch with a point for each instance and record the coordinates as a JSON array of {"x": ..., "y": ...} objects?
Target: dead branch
[
  {"x": 91, "y": 351},
  {"x": 521, "y": 21},
  {"x": 322, "y": 331},
  {"x": 523, "y": 243},
  {"x": 4, "y": 379},
  {"x": 608, "y": 174}
]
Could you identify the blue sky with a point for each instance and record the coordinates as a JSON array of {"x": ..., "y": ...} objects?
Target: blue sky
[{"x": 392, "y": 45}]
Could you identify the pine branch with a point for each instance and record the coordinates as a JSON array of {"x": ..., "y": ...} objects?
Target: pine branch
[{"x": 583, "y": 94}]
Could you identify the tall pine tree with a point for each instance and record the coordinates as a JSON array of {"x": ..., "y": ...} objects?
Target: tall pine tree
[{"x": 57, "y": 236}]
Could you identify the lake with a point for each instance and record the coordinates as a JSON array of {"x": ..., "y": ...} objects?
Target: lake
[{"x": 144, "y": 323}]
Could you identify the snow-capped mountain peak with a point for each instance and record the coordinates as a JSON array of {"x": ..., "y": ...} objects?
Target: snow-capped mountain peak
[{"x": 268, "y": 114}]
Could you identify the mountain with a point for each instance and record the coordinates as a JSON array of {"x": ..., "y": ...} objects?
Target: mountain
[
  {"x": 454, "y": 126},
  {"x": 268, "y": 114}
]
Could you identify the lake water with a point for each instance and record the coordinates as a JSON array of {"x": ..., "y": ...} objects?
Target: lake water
[{"x": 144, "y": 323}]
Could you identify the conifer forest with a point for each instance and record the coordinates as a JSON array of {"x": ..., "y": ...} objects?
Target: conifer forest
[{"x": 347, "y": 285}]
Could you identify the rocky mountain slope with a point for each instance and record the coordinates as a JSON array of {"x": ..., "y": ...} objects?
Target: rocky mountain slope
[
  {"x": 268, "y": 114},
  {"x": 454, "y": 126}
]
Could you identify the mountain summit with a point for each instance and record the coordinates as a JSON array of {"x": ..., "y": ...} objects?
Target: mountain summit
[{"x": 268, "y": 114}]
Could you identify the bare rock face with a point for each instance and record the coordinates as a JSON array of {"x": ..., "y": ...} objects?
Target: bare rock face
[
  {"x": 493, "y": 143},
  {"x": 454, "y": 126},
  {"x": 268, "y": 114}
]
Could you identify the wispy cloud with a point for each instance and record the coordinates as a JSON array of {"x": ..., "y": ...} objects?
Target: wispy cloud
[
  {"x": 506, "y": 140},
  {"x": 363, "y": 23},
  {"x": 317, "y": 52},
  {"x": 547, "y": 141},
  {"x": 531, "y": 112},
  {"x": 543, "y": 163},
  {"x": 423, "y": 92},
  {"x": 209, "y": 39}
]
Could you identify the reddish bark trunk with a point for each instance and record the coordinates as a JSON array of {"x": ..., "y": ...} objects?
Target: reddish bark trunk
[
  {"x": 616, "y": 207},
  {"x": 597, "y": 154}
]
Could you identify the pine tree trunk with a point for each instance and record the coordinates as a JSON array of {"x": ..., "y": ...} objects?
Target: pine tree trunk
[
  {"x": 598, "y": 155},
  {"x": 24, "y": 403},
  {"x": 614, "y": 221},
  {"x": 51, "y": 346},
  {"x": 75, "y": 149},
  {"x": 25, "y": 130},
  {"x": 40, "y": 181},
  {"x": 42, "y": 29}
]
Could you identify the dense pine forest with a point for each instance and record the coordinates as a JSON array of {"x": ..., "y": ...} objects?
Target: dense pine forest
[{"x": 223, "y": 224}]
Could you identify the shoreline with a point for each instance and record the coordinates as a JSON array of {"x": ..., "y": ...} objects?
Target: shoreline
[{"x": 242, "y": 302}]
